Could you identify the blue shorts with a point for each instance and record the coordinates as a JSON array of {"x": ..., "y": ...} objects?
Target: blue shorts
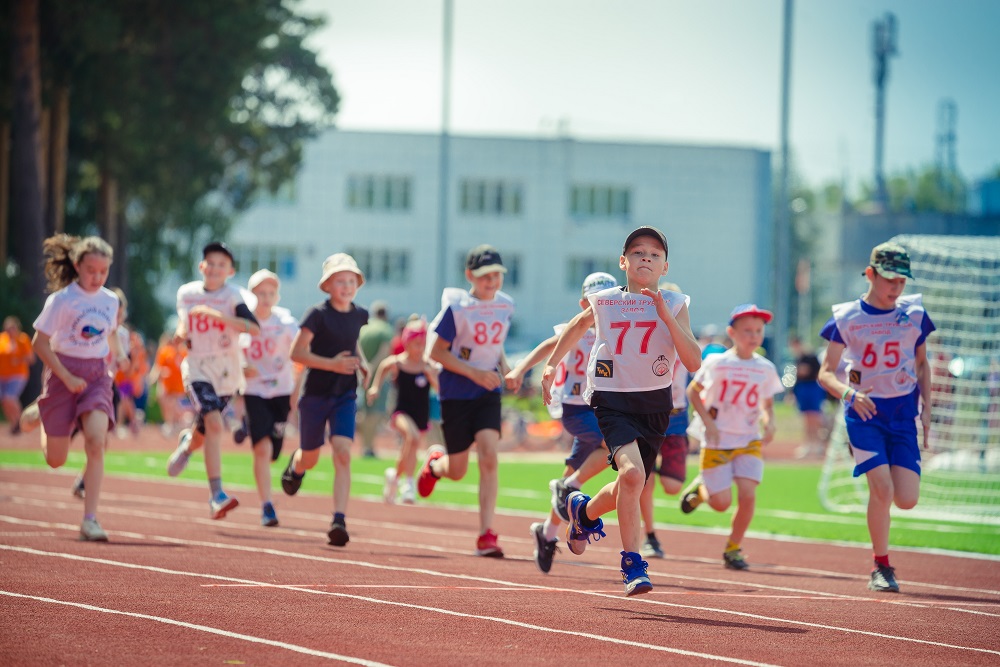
[
  {"x": 876, "y": 443},
  {"x": 581, "y": 423},
  {"x": 809, "y": 395},
  {"x": 12, "y": 387},
  {"x": 316, "y": 413}
]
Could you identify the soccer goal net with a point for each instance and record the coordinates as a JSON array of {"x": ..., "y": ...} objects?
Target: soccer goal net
[{"x": 959, "y": 277}]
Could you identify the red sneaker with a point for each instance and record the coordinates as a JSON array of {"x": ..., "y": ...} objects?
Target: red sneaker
[
  {"x": 427, "y": 480},
  {"x": 487, "y": 545}
]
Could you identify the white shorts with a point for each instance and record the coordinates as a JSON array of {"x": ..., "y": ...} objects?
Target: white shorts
[
  {"x": 720, "y": 466},
  {"x": 225, "y": 374}
]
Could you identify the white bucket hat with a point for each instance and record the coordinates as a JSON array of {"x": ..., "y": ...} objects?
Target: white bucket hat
[
  {"x": 338, "y": 262},
  {"x": 261, "y": 276}
]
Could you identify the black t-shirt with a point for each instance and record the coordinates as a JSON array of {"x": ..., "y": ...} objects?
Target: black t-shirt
[
  {"x": 807, "y": 368},
  {"x": 333, "y": 332}
]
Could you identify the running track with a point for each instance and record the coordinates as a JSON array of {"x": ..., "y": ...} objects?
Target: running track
[{"x": 176, "y": 588}]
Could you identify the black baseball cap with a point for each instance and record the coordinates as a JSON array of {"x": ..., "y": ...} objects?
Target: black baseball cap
[
  {"x": 646, "y": 230},
  {"x": 218, "y": 246},
  {"x": 484, "y": 259}
]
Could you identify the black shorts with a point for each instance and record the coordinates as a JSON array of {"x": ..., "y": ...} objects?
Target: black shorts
[
  {"x": 267, "y": 418},
  {"x": 621, "y": 428},
  {"x": 462, "y": 419},
  {"x": 205, "y": 400}
]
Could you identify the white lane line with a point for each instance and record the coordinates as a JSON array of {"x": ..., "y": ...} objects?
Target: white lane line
[
  {"x": 362, "y": 598},
  {"x": 644, "y": 600},
  {"x": 204, "y": 628},
  {"x": 386, "y": 527}
]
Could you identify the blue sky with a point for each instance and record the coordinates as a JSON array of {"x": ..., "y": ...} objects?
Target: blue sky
[{"x": 677, "y": 71}]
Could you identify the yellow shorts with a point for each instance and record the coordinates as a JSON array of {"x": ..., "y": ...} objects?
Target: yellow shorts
[{"x": 720, "y": 466}]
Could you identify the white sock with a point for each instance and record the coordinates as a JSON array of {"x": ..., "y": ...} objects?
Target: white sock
[{"x": 550, "y": 529}]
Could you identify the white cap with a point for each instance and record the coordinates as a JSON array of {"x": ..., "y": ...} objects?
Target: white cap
[
  {"x": 261, "y": 276},
  {"x": 596, "y": 282},
  {"x": 338, "y": 262}
]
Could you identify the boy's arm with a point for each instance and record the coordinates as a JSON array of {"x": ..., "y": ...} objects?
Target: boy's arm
[
  {"x": 686, "y": 345},
  {"x": 923, "y": 369},
  {"x": 344, "y": 363},
  {"x": 442, "y": 354},
  {"x": 376, "y": 381},
  {"x": 569, "y": 337},
  {"x": 694, "y": 399},
  {"x": 243, "y": 321},
  {"x": 862, "y": 404},
  {"x": 541, "y": 351},
  {"x": 767, "y": 419}
]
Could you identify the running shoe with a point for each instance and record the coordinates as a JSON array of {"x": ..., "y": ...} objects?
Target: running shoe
[
  {"x": 487, "y": 545},
  {"x": 545, "y": 549},
  {"x": 78, "y": 489},
  {"x": 734, "y": 560},
  {"x": 690, "y": 497},
  {"x": 91, "y": 531},
  {"x": 578, "y": 535},
  {"x": 389, "y": 488},
  {"x": 408, "y": 491},
  {"x": 179, "y": 459},
  {"x": 427, "y": 479},
  {"x": 560, "y": 492},
  {"x": 240, "y": 434},
  {"x": 651, "y": 548},
  {"x": 337, "y": 535},
  {"x": 222, "y": 505},
  {"x": 883, "y": 579},
  {"x": 291, "y": 481},
  {"x": 268, "y": 517},
  {"x": 30, "y": 418},
  {"x": 634, "y": 574}
]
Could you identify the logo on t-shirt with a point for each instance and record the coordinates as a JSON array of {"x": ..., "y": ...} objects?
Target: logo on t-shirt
[
  {"x": 465, "y": 353},
  {"x": 576, "y": 389},
  {"x": 713, "y": 412},
  {"x": 89, "y": 331},
  {"x": 661, "y": 366},
  {"x": 855, "y": 377},
  {"x": 605, "y": 368}
]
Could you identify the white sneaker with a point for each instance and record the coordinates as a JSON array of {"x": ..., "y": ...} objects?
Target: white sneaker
[
  {"x": 78, "y": 489},
  {"x": 222, "y": 505},
  {"x": 30, "y": 418},
  {"x": 91, "y": 531},
  {"x": 179, "y": 459},
  {"x": 389, "y": 490},
  {"x": 408, "y": 491}
]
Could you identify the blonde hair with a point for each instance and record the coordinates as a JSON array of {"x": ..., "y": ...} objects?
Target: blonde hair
[{"x": 63, "y": 252}]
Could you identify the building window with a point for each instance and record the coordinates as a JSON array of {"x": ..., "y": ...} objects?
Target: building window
[
  {"x": 381, "y": 266},
  {"x": 512, "y": 263},
  {"x": 600, "y": 201},
  {"x": 379, "y": 192},
  {"x": 252, "y": 258},
  {"x": 483, "y": 197},
  {"x": 578, "y": 268}
]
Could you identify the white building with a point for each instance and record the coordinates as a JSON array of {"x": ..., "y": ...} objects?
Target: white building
[{"x": 556, "y": 208}]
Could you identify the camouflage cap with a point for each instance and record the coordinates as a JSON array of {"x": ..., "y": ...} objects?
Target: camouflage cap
[{"x": 891, "y": 261}]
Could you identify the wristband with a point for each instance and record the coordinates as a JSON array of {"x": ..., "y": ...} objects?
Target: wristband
[
  {"x": 246, "y": 323},
  {"x": 843, "y": 396}
]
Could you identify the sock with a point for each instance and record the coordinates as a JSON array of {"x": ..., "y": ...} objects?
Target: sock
[
  {"x": 585, "y": 520},
  {"x": 434, "y": 474},
  {"x": 551, "y": 530},
  {"x": 732, "y": 546},
  {"x": 882, "y": 560},
  {"x": 215, "y": 484},
  {"x": 91, "y": 517},
  {"x": 573, "y": 483},
  {"x": 651, "y": 536},
  {"x": 339, "y": 517}
]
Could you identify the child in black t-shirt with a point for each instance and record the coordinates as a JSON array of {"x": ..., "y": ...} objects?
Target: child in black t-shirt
[{"x": 327, "y": 345}]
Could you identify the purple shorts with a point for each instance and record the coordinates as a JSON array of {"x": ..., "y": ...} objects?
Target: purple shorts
[{"x": 61, "y": 409}]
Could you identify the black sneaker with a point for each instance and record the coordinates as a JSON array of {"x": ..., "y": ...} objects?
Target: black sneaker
[
  {"x": 291, "y": 482},
  {"x": 883, "y": 579},
  {"x": 560, "y": 492},
  {"x": 240, "y": 434},
  {"x": 337, "y": 535},
  {"x": 651, "y": 548},
  {"x": 545, "y": 549},
  {"x": 734, "y": 560},
  {"x": 690, "y": 498}
]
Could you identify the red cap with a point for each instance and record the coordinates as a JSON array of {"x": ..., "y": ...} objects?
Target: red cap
[{"x": 748, "y": 310}]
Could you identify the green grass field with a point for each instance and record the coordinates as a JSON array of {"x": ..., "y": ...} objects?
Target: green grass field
[{"x": 787, "y": 504}]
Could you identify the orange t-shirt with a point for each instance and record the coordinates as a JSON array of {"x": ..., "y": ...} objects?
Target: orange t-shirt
[
  {"x": 14, "y": 355},
  {"x": 168, "y": 360}
]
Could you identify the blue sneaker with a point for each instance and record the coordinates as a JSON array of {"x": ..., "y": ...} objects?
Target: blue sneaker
[
  {"x": 222, "y": 505},
  {"x": 634, "y": 574},
  {"x": 578, "y": 535},
  {"x": 268, "y": 517}
]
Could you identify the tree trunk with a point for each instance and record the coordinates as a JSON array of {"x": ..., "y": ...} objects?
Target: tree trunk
[
  {"x": 55, "y": 209},
  {"x": 108, "y": 224},
  {"x": 27, "y": 219},
  {"x": 4, "y": 192}
]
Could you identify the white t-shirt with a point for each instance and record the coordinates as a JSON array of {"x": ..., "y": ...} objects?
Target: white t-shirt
[
  {"x": 270, "y": 355},
  {"x": 634, "y": 350},
  {"x": 733, "y": 391},
  {"x": 213, "y": 349},
  {"x": 78, "y": 323}
]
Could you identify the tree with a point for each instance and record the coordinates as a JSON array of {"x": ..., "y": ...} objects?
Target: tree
[{"x": 179, "y": 113}]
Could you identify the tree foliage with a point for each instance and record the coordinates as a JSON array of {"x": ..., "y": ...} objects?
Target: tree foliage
[{"x": 190, "y": 108}]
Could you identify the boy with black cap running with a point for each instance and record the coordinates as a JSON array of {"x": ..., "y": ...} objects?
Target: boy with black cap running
[
  {"x": 641, "y": 332},
  {"x": 211, "y": 314},
  {"x": 471, "y": 329}
]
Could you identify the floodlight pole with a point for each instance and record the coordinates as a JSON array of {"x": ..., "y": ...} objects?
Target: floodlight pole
[
  {"x": 444, "y": 257},
  {"x": 884, "y": 46},
  {"x": 783, "y": 227}
]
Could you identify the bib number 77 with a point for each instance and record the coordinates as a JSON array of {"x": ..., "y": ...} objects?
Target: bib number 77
[{"x": 624, "y": 327}]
